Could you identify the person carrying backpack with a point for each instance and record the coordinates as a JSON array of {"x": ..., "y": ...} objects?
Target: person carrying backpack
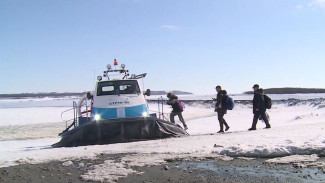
[
  {"x": 177, "y": 109},
  {"x": 221, "y": 108},
  {"x": 259, "y": 108}
]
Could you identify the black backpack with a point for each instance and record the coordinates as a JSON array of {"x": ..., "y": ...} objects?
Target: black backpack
[
  {"x": 229, "y": 102},
  {"x": 268, "y": 102}
]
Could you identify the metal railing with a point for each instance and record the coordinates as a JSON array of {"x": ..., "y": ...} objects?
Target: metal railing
[
  {"x": 74, "y": 120},
  {"x": 161, "y": 108}
]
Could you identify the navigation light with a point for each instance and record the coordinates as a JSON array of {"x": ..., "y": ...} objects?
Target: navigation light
[
  {"x": 97, "y": 117},
  {"x": 145, "y": 114}
]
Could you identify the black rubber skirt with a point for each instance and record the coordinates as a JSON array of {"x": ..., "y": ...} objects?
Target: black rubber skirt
[{"x": 119, "y": 131}]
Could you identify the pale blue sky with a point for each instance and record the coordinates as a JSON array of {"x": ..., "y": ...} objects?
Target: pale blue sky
[{"x": 189, "y": 45}]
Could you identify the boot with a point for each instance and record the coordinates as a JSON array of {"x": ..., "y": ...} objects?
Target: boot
[
  {"x": 221, "y": 128},
  {"x": 253, "y": 126},
  {"x": 268, "y": 125},
  {"x": 227, "y": 126}
]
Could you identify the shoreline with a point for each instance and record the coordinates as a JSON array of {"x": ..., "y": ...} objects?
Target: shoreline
[{"x": 224, "y": 169}]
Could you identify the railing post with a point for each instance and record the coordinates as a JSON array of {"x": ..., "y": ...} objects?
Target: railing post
[
  {"x": 159, "y": 107},
  {"x": 75, "y": 116}
]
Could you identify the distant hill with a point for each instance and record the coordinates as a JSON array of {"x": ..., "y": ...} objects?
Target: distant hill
[
  {"x": 41, "y": 95},
  {"x": 77, "y": 94},
  {"x": 176, "y": 92},
  {"x": 290, "y": 90}
]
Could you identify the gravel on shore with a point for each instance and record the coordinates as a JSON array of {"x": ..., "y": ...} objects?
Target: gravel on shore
[{"x": 189, "y": 171}]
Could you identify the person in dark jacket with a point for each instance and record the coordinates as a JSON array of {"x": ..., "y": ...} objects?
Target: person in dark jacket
[
  {"x": 177, "y": 109},
  {"x": 255, "y": 98},
  {"x": 259, "y": 108},
  {"x": 221, "y": 109}
]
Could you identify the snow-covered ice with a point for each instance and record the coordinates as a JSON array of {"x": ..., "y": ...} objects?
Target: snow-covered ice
[
  {"x": 298, "y": 128},
  {"x": 247, "y": 96}
]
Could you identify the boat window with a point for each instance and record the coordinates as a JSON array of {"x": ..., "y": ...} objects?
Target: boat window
[
  {"x": 129, "y": 87},
  {"x": 106, "y": 88},
  {"x": 118, "y": 87}
]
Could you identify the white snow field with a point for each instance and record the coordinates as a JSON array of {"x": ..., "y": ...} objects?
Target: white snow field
[{"x": 298, "y": 127}]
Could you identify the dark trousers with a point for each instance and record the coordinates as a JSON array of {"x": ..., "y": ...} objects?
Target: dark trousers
[
  {"x": 255, "y": 119},
  {"x": 222, "y": 121},
  {"x": 180, "y": 116}
]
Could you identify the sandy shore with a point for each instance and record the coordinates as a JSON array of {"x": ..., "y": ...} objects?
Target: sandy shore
[{"x": 209, "y": 170}]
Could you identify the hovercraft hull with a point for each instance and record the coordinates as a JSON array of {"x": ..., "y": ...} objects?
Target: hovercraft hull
[{"x": 119, "y": 131}]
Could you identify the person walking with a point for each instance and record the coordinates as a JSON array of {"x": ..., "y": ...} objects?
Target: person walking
[
  {"x": 259, "y": 107},
  {"x": 177, "y": 109},
  {"x": 220, "y": 108}
]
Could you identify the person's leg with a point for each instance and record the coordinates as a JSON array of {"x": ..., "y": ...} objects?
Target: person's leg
[
  {"x": 266, "y": 120},
  {"x": 221, "y": 120},
  {"x": 254, "y": 122},
  {"x": 225, "y": 123},
  {"x": 172, "y": 115},
  {"x": 180, "y": 116},
  {"x": 267, "y": 116}
]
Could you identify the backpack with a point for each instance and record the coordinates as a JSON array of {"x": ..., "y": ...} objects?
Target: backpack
[
  {"x": 268, "y": 102},
  {"x": 181, "y": 104},
  {"x": 230, "y": 104}
]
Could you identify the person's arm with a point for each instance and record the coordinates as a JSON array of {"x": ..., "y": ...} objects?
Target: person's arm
[
  {"x": 219, "y": 97},
  {"x": 224, "y": 102},
  {"x": 259, "y": 100},
  {"x": 168, "y": 102},
  {"x": 255, "y": 102},
  {"x": 171, "y": 102}
]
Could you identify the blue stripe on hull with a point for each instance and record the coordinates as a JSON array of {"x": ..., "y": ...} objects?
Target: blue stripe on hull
[{"x": 111, "y": 113}]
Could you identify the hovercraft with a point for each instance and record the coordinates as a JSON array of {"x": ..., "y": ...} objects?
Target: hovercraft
[{"x": 115, "y": 112}]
